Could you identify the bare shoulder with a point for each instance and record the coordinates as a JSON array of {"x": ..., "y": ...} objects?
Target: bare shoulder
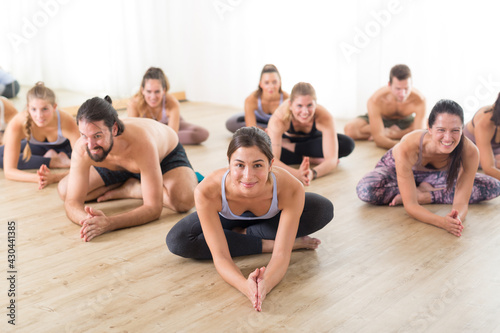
[
  {"x": 171, "y": 101},
  {"x": 379, "y": 95},
  {"x": 470, "y": 150},
  {"x": 287, "y": 184},
  {"x": 416, "y": 96},
  {"x": 323, "y": 114},
  {"x": 282, "y": 110},
  {"x": 15, "y": 128},
  {"x": 210, "y": 187},
  {"x": 482, "y": 119},
  {"x": 132, "y": 101},
  {"x": 67, "y": 118},
  {"x": 252, "y": 98},
  {"x": 409, "y": 146},
  {"x": 79, "y": 152},
  {"x": 285, "y": 95}
]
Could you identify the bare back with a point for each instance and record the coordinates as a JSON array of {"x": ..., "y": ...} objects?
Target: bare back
[{"x": 140, "y": 138}]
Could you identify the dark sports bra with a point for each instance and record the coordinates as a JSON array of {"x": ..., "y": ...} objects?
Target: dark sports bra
[{"x": 312, "y": 133}]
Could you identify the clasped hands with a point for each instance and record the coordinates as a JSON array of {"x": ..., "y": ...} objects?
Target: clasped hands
[
  {"x": 95, "y": 224},
  {"x": 257, "y": 288}
]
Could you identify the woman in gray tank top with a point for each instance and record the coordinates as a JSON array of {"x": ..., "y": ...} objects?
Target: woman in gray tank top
[
  {"x": 250, "y": 208},
  {"x": 40, "y": 138}
]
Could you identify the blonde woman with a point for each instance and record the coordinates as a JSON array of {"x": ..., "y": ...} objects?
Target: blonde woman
[
  {"x": 40, "y": 138},
  {"x": 303, "y": 132}
]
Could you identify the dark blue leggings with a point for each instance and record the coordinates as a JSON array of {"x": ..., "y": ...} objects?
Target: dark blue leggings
[
  {"x": 37, "y": 152},
  {"x": 186, "y": 238}
]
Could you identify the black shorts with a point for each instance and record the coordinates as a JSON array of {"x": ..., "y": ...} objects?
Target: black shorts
[
  {"x": 176, "y": 158},
  {"x": 402, "y": 123}
]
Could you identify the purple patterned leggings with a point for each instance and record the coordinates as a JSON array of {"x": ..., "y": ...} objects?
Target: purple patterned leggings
[{"x": 380, "y": 185}]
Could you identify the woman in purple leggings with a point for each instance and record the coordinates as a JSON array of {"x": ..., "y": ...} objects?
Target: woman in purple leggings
[{"x": 437, "y": 165}]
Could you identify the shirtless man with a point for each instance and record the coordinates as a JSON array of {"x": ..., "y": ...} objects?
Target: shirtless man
[
  {"x": 116, "y": 159},
  {"x": 393, "y": 111}
]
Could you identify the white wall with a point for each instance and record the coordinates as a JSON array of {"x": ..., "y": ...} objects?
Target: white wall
[{"x": 215, "y": 49}]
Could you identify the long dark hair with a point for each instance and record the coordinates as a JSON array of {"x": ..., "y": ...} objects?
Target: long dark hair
[
  {"x": 97, "y": 109},
  {"x": 455, "y": 158},
  {"x": 250, "y": 137}
]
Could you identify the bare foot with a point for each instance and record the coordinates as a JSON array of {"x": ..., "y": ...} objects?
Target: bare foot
[
  {"x": 130, "y": 189},
  {"x": 285, "y": 143},
  {"x": 58, "y": 160},
  {"x": 398, "y": 200},
  {"x": 306, "y": 242},
  {"x": 426, "y": 187},
  {"x": 50, "y": 153},
  {"x": 423, "y": 195}
]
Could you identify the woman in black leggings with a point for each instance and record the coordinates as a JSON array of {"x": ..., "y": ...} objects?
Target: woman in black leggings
[
  {"x": 250, "y": 208},
  {"x": 303, "y": 132}
]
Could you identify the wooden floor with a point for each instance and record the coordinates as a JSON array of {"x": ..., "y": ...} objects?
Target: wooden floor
[{"x": 377, "y": 270}]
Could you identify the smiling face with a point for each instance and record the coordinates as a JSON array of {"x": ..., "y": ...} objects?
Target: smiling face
[
  {"x": 249, "y": 169},
  {"x": 303, "y": 108},
  {"x": 446, "y": 132},
  {"x": 270, "y": 83},
  {"x": 98, "y": 139},
  {"x": 153, "y": 92},
  {"x": 41, "y": 111}
]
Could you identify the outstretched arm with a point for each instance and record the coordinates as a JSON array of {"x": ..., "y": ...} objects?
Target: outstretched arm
[
  {"x": 465, "y": 179},
  {"x": 405, "y": 158},
  {"x": 275, "y": 129},
  {"x": 292, "y": 205},
  {"x": 77, "y": 186},
  {"x": 206, "y": 194},
  {"x": 13, "y": 136},
  {"x": 326, "y": 125},
  {"x": 483, "y": 133},
  {"x": 174, "y": 112},
  {"x": 250, "y": 107}
]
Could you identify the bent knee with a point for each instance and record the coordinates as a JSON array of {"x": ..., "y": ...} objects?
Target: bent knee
[
  {"x": 180, "y": 204},
  {"x": 62, "y": 189},
  {"x": 174, "y": 242},
  {"x": 349, "y": 130}
]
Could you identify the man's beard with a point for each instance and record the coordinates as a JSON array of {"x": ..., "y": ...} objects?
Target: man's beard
[{"x": 97, "y": 158}]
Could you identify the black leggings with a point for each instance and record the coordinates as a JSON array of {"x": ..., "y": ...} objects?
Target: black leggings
[
  {"x": 186, "y": 238},
  {"x": 37, "y": 152},
  {"x": 11, "y": 89},
  {"x": 313, "y": 147}
]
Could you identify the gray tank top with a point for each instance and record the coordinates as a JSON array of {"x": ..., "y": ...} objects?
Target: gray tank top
[
  {"x": 418, "y": 166},
  {"x": 60, "y": 138},
  {"x": 228, "y": 214}
]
